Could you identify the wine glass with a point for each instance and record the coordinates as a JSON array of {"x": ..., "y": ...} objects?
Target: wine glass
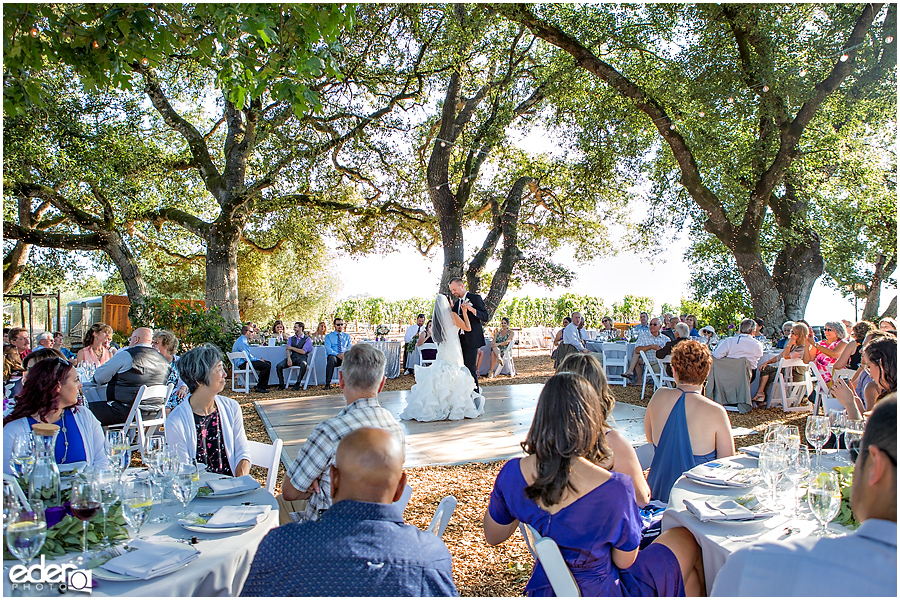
[
  {"x": 137, "y": 502},
  {"x": 162, "y": 470},
  {"x": 853, "y": 432},
  {"x": 154, "y": 444},
  {"x": 26, "y": 532},
  {"x": 117, "y": 449},
  {"x": 772, "y": 465},
  {"x": 774, "y": 433},
  {"x": 10, "y": 502},
  {"x": 108, "y": 483},
  {"x": 836, "y": 423},
  {"x": 824, "y": 498},
  {"x": 791, "y": 435},
  {"x": 86, "y": 502},
  {"x": 817, "y": 431},
  {"x": 186, "y": 484},
  {"x": 22, "y": 454},
  {"x": 797, "y": 470}
]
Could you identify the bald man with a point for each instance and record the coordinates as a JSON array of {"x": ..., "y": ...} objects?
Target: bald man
[
  {"x": 125, "y": 373},
  {"x": 360, "y": 546}
]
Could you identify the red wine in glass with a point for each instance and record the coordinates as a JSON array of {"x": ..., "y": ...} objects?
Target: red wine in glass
[{"x": 85, "y": 510}]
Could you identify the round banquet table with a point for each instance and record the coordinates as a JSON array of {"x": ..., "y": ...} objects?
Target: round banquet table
[
  {"x": 220, "y": 570},
  {"x": 716, "y": 538}
]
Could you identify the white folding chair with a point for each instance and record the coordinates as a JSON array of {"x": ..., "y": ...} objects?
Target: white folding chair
[
  {"x": 145, "y": 428},
  {"x": 823, "y": 393},
  {"x": 425, "y": 362},
  {"x": 614, "y": 356},
  {"x": 664, "y": 378},
  {"x": 267, "y": 455},
  {"x": 545, "y": 551},
  {"x": 506, "y": 365},
  {"x": 442, "y": 516},
  {"x": 649, "y": 372},
  {"x": 246, "y": 371},
  {"x": 404, "y": 499},
  {"x": 787, "y": 392}
]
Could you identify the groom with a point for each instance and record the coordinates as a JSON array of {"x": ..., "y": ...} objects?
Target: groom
[{"x": 472, "y": 340}]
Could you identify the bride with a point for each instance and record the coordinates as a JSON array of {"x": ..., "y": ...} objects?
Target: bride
[{"x": 444, "y": 390}]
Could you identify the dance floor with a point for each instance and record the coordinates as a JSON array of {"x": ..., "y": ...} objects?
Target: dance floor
[{"x": 495, "y": 435}]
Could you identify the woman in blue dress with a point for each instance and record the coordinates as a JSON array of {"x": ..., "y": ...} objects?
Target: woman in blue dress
[
  {"x": 685, "y": 428},
  {"x": 589, "y": 512}
]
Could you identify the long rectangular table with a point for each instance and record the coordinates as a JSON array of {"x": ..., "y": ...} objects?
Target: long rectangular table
[{"x": 276, "y": 354}]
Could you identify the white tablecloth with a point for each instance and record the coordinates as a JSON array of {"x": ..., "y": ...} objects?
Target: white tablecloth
[
  {"x": 713, "y": 536},
  {"x": 221, "y": 568}
]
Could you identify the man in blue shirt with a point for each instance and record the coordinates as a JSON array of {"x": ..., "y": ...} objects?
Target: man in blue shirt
[
  {"x": 262, "y": 366},
  {"x": 360, "y": 546},
  {"x": 336, "y": 343},
  {"x": 863, "y": 563},
  {"x": 298, "y": 348}
]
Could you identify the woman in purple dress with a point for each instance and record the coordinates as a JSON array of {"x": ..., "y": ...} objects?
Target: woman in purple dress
[{"x": 589, "y": 512}]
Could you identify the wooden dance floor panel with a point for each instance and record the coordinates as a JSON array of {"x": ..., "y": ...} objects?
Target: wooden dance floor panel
[{"x": 495, "y": 435}]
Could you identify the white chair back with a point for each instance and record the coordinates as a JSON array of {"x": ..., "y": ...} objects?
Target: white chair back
[
  {"x": 426, "y": 362},
  {"x": 664, "y": 378},
  {"x": 442, "y": 516},
  {"x": 547, "y": 553},
  {"x": 404, "y": 499},
  {"x": 615, "y": 356},
  {"x": 506, "y": 365},
  {"x": 267, "y": 455},
  {"x": 649, "y": 372},
  {"x": 823, "y": 393},
  {"x": 145, "y": 428},
  {"x": 787, "y": 392},
  {"x": 243, "y": 372}
]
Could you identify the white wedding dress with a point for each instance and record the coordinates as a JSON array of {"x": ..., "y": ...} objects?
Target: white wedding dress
[{"x": 445, "y": 389}]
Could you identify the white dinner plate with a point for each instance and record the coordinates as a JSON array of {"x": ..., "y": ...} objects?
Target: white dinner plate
[
  {"x": 721, "y": 486},
  {"x": 215, "y": 496},
  {"x": 205, "y": 529},
  {"x": 105, "y": 575}
]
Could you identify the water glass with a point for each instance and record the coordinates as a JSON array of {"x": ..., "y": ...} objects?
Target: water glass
[
  {"x": 117, "y": 449},
  {"x": 818, "y": 430},
  {"x": 86, "y": 503},
  {"x": 824, "y": 498},
  {"x": 772, "y": 465},
  {"x": 797, "y": 471},
  {"x": 108, "y": 483},
  {"x": 836, "y": 423},
  {"x": 137, "y": 502},
  {"x": 853, "y": 432},
  {"x": 791, "y": 435},
  {"x": 186, "y": 484},
  {"x": 26, "y": 532},
  {"x": 154, "y": 444},
  {"x": 162, "y": 472},
  {"x": 774, "y": 433},
  {"x": 22, "y": 454}
]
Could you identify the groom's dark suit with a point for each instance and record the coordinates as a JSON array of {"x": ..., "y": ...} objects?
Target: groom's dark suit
[{"x": 472, "y": 340}]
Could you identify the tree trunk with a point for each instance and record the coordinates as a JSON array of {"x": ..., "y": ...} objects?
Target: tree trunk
[
  {"x": 891, "y": 310},
  {"x": 511, "y": 254},
  {"x": 796, "y": 269},
  {"x": 450, "y": 224},
  {"x": 873, "y": 298},
  {"x": 767, "y": 304},
  {"x": 14, "y": 264},
  {"x": 221, "y": 267},
  {"x": 119, "y": 252}
]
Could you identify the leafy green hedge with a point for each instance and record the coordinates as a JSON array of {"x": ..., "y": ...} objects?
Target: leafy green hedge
[{"x": 192, "y": 325}]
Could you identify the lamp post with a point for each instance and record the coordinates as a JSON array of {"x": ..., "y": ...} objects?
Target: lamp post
[{"x": 857, "y": 288}]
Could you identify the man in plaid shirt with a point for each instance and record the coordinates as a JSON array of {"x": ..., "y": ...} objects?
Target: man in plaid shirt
[{"x": 361, "y": 379}]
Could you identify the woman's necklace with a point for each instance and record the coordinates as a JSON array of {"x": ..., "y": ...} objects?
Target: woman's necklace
[
  {"x": 98, "y": 353},
  {"x": 62, "y": 427}
]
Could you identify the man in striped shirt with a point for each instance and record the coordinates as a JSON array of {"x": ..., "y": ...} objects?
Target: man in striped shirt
[{"x": 361, "y": 379}]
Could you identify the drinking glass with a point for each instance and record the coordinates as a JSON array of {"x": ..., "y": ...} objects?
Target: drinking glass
[
  {"x": 108, "y": 483},
  {"x": 186, "y": 484},
  {"x": 797, "y": 471},
  {"x": 791, "y": 435},
  {"x": 774, "y": 433},
  {"x": 772, "y": 465},
  {"x": 10, "y": 502},
  {"x": 86, "y": 502},
  {"x": 137, "y": 502},
  {"x": 162, "y": 471},
  {"x": 154, "y": 444},
  {"x": 817, "y": 431},
  {"x": 853, "y": 432},
  {"x": 26, "y": 532},
  {"x": 836, "y": 423},
  {"x": 117, "y": 449},
  {"x": 22, "y": 454},
  {"x": 824, "y": 498}
]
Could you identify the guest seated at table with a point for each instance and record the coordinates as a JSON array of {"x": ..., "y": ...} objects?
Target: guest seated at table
[
  {"x": 208, "y": 427},
  {"x": 611, "y": 333},
  {"x": 361, "y": 379},
  {"x": 741, "y": 345},
  {"x": 681, "y": 333},
  {"x": 691, "y": 320},
  {"x": 571, "y": 339},
  {"x": 19, "y": 340},
  {"x": 861, "y": 383},
  {"x": 759, "y": 331},
  {"x": 278, "y": 331},
  {"x": 95, "y": 352},
  {"x": 590, "y": 512},
  {"x": 888, "y": 324},
  {"x": 860, "y": 564},
  {"x": 852, "y": 352},
  {"x": 557, "y": 339},
  {"x": 33, "y": 358},
  {"x": 336, "y": 343},
  {"x": 880, "y": 359},
  {"x": 319, "y": 336},
  {"x": 708, "y": 335},
  {"x": 502, "y": 339},
  {"x": 44, "y": 340},
  {"x": 622, "y": 457},
  {"x": 125, "y": 373},
  {"x": 262, "y": 366},
  {"x": 360, "y": 546},
  {"x": 12, "y": 364},
  {"x": 828, "y": 351},
  {"x": 647, "y": 341},
  {"x": 786, "y": 328},
  {"x": 425, "y": 338},
  {"x": 643, "y": 326},
  {"x": 685, "y": 427},
  {"x": 59, "y": 344},
  {"x": 297, "y": 352},
  {"x": 166, "y": 343},
  {"x": 799, "y": 346},
  {"x": 50, "y": 394}
]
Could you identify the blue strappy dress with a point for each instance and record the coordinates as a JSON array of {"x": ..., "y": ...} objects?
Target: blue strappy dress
[{"x": 673, "y": 455}]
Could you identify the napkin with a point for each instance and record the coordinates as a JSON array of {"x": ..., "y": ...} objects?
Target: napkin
[
  {"x": 724, "y": 510},
  {"x": 238, "y": 516},
  {"x": 233, "y": 485},
  {"x": 720, "y": 474},
  {"x": 150, "y": 560},
  {"x": 751, "y": 450}
]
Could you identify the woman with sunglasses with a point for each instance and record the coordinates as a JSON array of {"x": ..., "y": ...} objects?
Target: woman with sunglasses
[
  {"x": 827, "y": 352},
  {"x": 52, "y": 394},
  {"x": 880, "y": 359}
]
